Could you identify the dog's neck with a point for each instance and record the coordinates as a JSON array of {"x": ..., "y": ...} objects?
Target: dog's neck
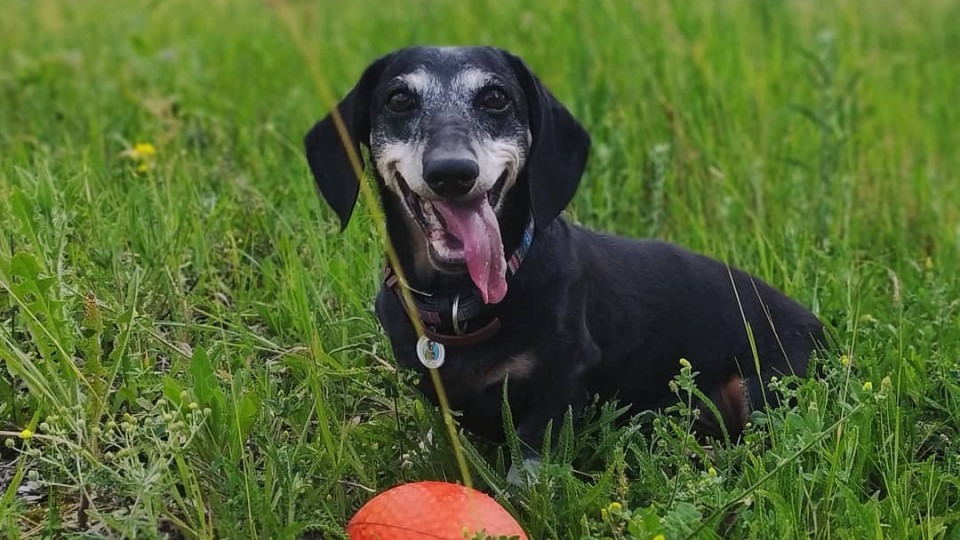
[{"x": 457, "y": 315}]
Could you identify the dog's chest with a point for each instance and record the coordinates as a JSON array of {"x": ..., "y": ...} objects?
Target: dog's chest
[
  {"x": 467, "y": 371},
  {"x": 470, "y": 371}
]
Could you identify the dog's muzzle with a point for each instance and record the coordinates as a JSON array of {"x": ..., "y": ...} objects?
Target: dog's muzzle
[{"x": 464, "y": 231}]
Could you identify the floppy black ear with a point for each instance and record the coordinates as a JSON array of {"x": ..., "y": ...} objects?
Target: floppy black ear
[
  {"x": 559, "y": 150},
  {"x": 326, "y": 153}
]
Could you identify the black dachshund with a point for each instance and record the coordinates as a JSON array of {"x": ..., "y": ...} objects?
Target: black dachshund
[{"x": 475, "y": 159}]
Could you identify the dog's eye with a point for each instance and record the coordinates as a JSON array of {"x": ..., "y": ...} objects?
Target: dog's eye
[
  {"x": 494, "y": 99},
  {"x": 401, "y": 101}
]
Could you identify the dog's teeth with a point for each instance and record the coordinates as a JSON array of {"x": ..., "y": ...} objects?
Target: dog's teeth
[{"x": 430, "y": 215}]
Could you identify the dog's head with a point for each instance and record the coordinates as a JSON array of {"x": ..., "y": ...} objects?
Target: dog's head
[{"x": 465, "y": 143}]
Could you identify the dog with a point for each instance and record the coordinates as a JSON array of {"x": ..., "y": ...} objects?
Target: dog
[{"x": 475, "y": 160}]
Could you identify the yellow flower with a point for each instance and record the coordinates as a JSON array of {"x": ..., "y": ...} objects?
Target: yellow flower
[
  {"x": 711, "y": 471},
  {"x": 144, "y": 150},
  {"x": 659, "y": 537},
  {"x": 684, "y": 363},
  {"x": 604, "y": 514},
  {"x": 26, "y": 434},
  {"x": 614, "y": 507},
  {"x": 844, "y": 360},
  {"x": 867, "y": 386}
]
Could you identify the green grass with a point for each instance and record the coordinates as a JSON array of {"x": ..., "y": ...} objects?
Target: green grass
[{"x": 194, "y": 345}]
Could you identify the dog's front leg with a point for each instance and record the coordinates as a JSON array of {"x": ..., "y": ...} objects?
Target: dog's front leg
[
  {"x": 532, "y": 428},
  {"x": 552, "y": 407},
  {"x": 561, "y": 388}
]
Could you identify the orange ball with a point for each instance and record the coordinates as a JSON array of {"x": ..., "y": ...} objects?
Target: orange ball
[{"x": 431, "y": 510}]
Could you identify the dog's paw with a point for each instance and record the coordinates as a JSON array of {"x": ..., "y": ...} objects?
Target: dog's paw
[{"x": 527, "y": 474}]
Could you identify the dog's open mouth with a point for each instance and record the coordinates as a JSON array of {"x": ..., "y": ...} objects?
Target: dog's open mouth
[{"x": 464, "y": 233}]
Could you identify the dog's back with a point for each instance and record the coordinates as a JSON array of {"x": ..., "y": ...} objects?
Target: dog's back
[{"x": 655, "y": 303}]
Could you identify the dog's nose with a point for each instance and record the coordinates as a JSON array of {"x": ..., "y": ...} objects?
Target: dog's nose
[{"x": 450, "y": 177}]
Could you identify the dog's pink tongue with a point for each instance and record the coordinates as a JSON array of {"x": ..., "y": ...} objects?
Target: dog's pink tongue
[{"x": 475, "y": 225}]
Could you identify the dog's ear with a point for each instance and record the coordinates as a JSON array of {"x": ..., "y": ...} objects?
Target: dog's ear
[
  {"x": 559, "y": 149},
  {"x": 326, "y": 153}
]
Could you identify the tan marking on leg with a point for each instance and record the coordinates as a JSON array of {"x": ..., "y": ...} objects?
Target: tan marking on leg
[{"x": 733, "y": 405}]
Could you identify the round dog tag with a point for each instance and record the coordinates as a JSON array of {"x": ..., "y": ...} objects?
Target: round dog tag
[{"x": 430, "y": 353}]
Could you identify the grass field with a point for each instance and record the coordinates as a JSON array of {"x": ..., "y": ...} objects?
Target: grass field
[{"x": 191, "y": 345}]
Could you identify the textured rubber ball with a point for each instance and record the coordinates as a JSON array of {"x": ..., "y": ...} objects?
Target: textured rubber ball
[{"x": 432, "y": 510}]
